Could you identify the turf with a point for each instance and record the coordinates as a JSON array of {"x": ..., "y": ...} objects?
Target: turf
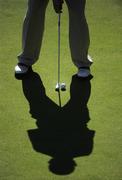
[{"x": 18, "y": 159}]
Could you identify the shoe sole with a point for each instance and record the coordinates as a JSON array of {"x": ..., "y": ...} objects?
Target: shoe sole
[
  {"x": 89, "y": 77},
  {"x": 23, "y": 75}
]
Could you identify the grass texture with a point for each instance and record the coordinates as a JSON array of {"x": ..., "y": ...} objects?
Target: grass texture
[{"x": 18, "y": 159}]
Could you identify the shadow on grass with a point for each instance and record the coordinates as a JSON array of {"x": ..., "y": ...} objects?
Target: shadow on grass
[{"x": 62, "y": 132}]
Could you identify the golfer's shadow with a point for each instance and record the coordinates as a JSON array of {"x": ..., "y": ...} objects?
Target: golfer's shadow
[{"x": 61, "y": 133}]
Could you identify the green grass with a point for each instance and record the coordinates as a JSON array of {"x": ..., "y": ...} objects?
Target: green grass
[{"x": 18, "y": 160}]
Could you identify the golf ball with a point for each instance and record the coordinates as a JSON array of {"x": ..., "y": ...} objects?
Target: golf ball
[
  {"x": 57, "y": 87},
  {"x": 63, "y": 86}
]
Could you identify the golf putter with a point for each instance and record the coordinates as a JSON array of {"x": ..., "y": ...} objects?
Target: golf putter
[{"x": 59, "y": 86}]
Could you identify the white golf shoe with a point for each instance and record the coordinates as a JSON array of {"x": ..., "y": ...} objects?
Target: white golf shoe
[
  {"x": 83, "y": 72},
  {"x": 21, "y": 69}
]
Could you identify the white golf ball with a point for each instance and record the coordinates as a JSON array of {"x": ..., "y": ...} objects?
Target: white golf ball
[
  {"x": 63, "y": 86},
  {"x": 57, "y": 87}
]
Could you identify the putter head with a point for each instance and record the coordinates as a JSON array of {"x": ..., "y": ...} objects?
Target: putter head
[
  {"x": 57, "y": 87},
  {"x": 63, "y": 86}
]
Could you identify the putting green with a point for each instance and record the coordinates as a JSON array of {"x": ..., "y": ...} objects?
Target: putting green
[{"x": 95, "y": 156}]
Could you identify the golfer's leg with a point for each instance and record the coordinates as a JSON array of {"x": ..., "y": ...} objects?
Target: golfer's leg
[
  {"x": 78, "y": 33},
  {"x": 33, "y": 28}
]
